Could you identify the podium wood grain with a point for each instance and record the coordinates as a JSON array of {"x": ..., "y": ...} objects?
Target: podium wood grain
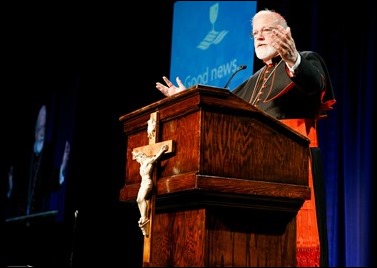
[{"x": 229, "y": 193}]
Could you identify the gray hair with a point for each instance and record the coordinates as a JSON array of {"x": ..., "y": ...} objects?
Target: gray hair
[{"x": 280, "y": 20}]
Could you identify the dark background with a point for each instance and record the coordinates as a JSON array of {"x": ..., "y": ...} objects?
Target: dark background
[{"x": 113, "y": 54}]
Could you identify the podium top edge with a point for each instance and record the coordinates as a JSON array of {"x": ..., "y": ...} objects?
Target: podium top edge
[
  {"x": 192, "y": 91},
  {"x": 231, "y": 101}
]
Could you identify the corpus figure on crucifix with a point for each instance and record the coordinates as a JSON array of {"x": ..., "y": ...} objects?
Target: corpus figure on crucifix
[{"x": 146, "y": 168}]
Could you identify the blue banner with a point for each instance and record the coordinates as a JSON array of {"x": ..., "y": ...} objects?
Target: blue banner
[{"x": 210, "y": 40}]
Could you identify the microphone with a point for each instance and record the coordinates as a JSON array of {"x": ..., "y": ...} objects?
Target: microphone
[{"x": 241, "y": 67}]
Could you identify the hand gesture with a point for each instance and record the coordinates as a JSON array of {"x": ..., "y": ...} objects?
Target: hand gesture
[
  {"x": 284, "y": 44},
  {"x": 170, "y": 88}
]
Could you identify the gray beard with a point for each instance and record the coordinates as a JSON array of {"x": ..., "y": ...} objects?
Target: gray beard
[{"x": 265, "y": 53}]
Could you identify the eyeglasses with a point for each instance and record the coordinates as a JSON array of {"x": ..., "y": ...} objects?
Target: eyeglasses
[{"x": 264, "y": 31}]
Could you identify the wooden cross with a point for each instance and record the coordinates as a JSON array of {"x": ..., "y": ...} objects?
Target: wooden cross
[{"x": 151, "y": 153}]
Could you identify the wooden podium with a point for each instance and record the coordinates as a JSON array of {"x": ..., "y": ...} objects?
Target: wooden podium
[{"x": 228, "y": 192}]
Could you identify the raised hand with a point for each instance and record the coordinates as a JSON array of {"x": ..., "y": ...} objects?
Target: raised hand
[
  {"x": 170, "y": 88},
  {"x": 284, "y": 44}
]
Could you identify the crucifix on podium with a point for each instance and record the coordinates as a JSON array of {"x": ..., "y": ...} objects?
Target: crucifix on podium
[
  {"x": 230, "y": 162},
  {"x": 147, "y": 156}
]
